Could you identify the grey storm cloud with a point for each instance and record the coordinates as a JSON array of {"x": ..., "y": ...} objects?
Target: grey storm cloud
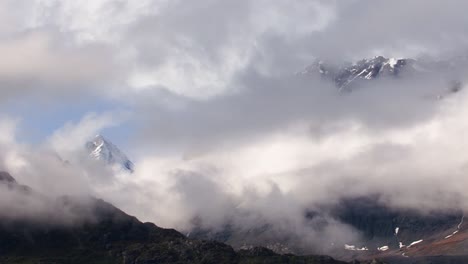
[
  {"x": 225, "y": 129},
  {"x": 393, "y": 28}
]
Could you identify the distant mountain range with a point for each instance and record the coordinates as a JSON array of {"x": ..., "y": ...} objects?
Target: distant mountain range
[
  {"x": 405, "y": 232},
  {"x": 348, "y": 76},
  {"x": 386, "y": 232}
]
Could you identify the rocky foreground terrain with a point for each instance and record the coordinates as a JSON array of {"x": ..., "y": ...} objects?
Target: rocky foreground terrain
[{"x": 89, "y": 230}]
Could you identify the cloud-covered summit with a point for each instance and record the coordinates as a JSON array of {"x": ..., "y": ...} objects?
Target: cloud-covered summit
[{"x": 205, "y": 98}]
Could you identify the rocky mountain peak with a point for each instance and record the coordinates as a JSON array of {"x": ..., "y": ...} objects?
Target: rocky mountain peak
[
  {"x": 102, "y": 149},
  {"x": 344, "y": 76}
]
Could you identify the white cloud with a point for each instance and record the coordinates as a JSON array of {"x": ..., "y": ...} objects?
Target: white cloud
[
  {"x": 72, "y": 137},
  {"x": 8, "y": 128},
  {"x": 44, "y": 59},
  {"x": 262, "y": 140}
]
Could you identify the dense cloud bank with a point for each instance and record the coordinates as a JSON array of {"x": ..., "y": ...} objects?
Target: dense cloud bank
[{"x": 224, "y": 128}]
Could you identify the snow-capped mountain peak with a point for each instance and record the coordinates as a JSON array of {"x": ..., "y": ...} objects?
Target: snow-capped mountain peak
[
  {"x": 366, "y": 69},
  {"x": 348, "y": 76},
  {"x": 102, "y": 149}
]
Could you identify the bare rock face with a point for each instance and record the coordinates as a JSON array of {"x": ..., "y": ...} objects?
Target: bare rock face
[
  {"x": 5, "y": 177},
  {"x": 6, "y": 180}
]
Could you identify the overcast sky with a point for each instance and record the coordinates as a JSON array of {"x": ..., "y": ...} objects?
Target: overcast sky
[{"x": 203, "y": 97}]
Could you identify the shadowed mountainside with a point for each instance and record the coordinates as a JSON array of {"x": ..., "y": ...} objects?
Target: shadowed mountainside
[{"x": 106, "y": 234}]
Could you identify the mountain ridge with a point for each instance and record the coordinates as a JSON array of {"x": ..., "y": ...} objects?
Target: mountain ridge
[
  {"x": 350, "y": 75},
  {"x": 111, "y": 236}
]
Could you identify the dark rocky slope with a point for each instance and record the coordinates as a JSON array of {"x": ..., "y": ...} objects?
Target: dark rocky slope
[{"x": 104, "y": 234}]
